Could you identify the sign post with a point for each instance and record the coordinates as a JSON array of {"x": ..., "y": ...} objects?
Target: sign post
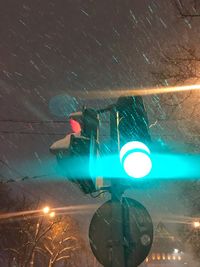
[{"x": 116, "y": 242}]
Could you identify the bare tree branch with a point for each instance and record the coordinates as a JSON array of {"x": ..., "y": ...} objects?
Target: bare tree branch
[{"x": 62, "y": 258}]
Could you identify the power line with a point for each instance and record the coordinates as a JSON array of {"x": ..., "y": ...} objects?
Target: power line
[
  {"x": 24, "y": 178},
  {"x": 18, "y": 181},
  {"x": 37, "y": 121},
  {"x": 29, "y": 133},
  {"x": 63, "y": 134},
  {"x": 33, "y": 121},
  {"x": 21, "y": 179}
]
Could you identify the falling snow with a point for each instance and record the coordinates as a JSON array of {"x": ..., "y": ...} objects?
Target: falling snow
[{"x": 57, "y": 58}]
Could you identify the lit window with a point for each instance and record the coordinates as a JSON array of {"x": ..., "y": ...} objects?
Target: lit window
[
  {"x": 163, "y": 256},
  {"x": 153, "y": 256},
  {"x": 158, "y": 256},
  {"x": 168, "y": 257},
  {"x": 176, "y": 250}
]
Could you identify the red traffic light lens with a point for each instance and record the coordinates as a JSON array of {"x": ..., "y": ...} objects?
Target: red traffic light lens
[{"x": 76, "y": 127}]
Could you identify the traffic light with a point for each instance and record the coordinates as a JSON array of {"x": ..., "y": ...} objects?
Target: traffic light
[
  {"x": 133, "y": 136},
  {"x": 135, "y": 158},
  {"x": 77, "y": 152}
]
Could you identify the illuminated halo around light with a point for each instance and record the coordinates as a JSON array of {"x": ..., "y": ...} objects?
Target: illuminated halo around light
[{"x": 135, "y": 157}]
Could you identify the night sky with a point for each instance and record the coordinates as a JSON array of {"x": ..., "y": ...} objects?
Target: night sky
[{"x": 50, "y": 48}]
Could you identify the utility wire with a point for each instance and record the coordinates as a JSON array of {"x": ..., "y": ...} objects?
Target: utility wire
[
  {"x": 21, "y": 178},
  {"x": 37, "y": 121},
  {"x": 33, "y": 121},
  {"x": 63, "y": 134},
  {"x": 18, "y": 183},
  {"x": 30, "y": 133},
  {"x": 24, "y": 178},
  {"x": 18, "y": 180}
]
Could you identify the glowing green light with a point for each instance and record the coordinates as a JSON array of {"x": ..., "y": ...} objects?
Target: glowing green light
[{"x": 135, "y": 157}]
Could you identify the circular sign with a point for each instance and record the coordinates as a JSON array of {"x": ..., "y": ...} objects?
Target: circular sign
[{"x": 137, "y": 229}]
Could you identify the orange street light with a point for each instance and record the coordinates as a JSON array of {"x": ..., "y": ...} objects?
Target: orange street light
[
  {"x": 46, "y": 210},
  {"x": 52, "y": 214}
]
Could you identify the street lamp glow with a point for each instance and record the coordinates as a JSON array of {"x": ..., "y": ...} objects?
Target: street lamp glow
[
  {"x": 135, "y": 158},
  {"x": 46, "y": 210},
  {"x": 176, "y": 250},
  {"x": 52, "y": 214},
  {"x": 196, "y": 224}
]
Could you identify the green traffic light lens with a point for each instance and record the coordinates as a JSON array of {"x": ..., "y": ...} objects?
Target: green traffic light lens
[
  {"x": 137, "y": 164},
  {"x": 135, "y": 158}
]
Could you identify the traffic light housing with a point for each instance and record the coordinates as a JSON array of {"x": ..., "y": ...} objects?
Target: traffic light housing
[
  {"x": 76, "y": 153},
  {"x": 134, "y": 136},
  {"x": 133, "y": 120}
]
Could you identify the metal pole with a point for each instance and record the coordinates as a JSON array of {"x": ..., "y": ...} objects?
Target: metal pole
[{"x": 117, "y": 236}]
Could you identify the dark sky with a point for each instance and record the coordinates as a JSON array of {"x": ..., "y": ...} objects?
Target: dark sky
[
  {"x": 54, "y": 47},
  {"x": 60, "y": 45}
]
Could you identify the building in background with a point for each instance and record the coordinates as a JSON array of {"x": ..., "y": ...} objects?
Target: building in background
[{"x": 167, "y": 250}]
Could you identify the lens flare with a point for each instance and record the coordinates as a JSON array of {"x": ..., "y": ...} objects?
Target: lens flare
[
  {"x": 115, "y": 93},
  {"x": 46, "y": 210}
]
